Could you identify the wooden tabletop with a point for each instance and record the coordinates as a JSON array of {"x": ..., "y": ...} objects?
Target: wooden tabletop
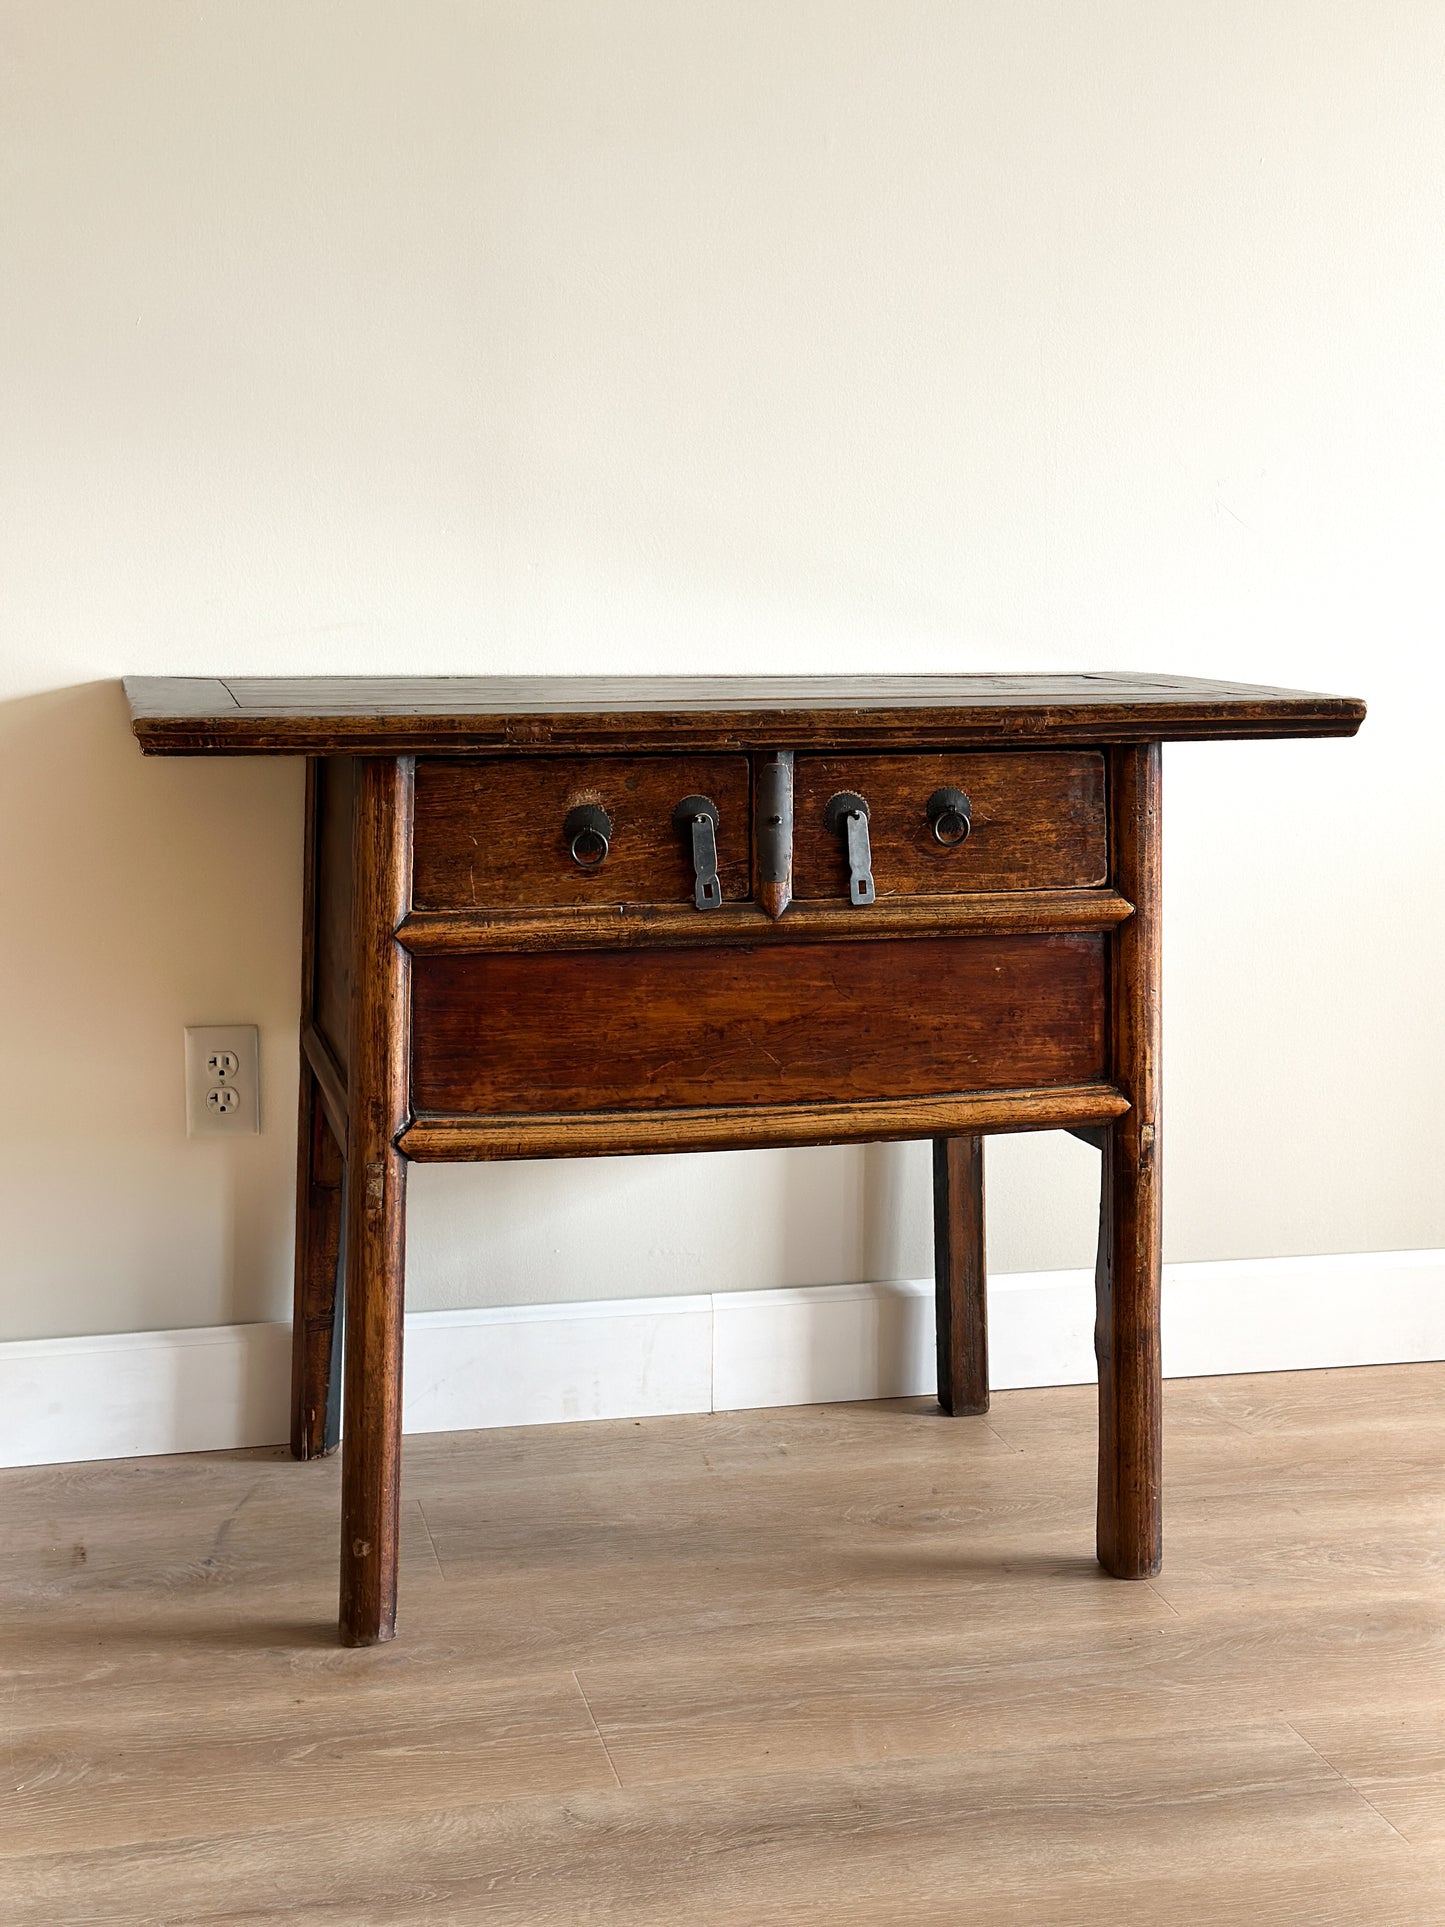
[{"x": 402, "y": 715}]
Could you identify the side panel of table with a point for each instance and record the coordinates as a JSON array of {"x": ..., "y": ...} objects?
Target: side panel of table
[{"x": 322, "y": 1123}]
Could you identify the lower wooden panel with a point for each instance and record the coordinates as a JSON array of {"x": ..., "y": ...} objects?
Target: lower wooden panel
[
  {"x": 439, "y": 1139},
  {"x": 640, "y": 1030}
]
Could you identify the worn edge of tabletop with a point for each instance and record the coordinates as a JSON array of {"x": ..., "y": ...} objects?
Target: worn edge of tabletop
[{"x": 317, "y": 716}]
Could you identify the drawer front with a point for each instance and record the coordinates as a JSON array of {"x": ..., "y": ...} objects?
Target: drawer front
[
  {"x": 625, "y": 1030},
  {"x": 1038, "y": 823},
  {"x": 489, "y": 836}
]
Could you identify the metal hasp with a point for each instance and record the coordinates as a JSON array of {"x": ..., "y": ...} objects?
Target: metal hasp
[
  {"x": 588, "y": 833},
  {"x": 951, "y": 815},
  {"x": 697, "y": 817},
  {"x": 774, "y": 838},
  {"x": 847, "y": 816}
]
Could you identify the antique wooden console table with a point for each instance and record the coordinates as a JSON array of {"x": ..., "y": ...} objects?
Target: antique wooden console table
[{"x": 569, "y": 917}]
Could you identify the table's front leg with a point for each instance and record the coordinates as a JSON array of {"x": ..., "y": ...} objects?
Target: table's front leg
[
  {"x": 1126, "y": 1338},
  {"x": 375, "y": 1205}
]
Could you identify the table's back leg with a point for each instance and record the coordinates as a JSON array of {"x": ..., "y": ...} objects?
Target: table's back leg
[
  {"x": 375, "y": 1203},
  {"x": 316, "y": 1318},
  {"x": 1126, "y": 1337},
  {"x": 316, "y": 1315},
  {"x": 960, "y": 1281}
]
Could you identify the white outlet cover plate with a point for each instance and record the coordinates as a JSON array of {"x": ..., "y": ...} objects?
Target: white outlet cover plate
[{"x": 208, "y": 1042}]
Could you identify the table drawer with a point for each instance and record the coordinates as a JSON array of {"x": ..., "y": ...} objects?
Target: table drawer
[
  {"x": 1038, "y": 823},
  {"x": 621, "y": 1030},
  {"x": 489, "y": 835}
]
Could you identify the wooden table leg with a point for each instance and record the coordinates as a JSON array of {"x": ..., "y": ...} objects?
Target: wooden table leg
[
  {"x": 318, "y": 1299},
  {"x": 1126, "y": 1334},
  {"x": 960, "y": 1280},
  {"x": 376, "y": 1204},
  {"x": 316, "y": 1317}
]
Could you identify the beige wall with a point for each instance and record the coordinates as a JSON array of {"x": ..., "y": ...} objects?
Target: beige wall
[{"x": 557, "y": 335}]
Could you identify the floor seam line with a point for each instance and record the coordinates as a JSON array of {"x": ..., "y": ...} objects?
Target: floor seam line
[
  {"x": 421, "y": 1514},
  {"x": 598, "y": 1730},
  {"x": 1175, "y": 1610},
  {"x": 1357, "y": 1791}
]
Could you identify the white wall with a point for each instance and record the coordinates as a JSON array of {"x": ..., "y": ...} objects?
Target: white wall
[{"x": 747, "y": 334}]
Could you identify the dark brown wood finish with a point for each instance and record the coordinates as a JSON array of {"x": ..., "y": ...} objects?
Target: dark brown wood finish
[
  {"x": 807, "y": 1023},
  {"x": 960, "y": 1275},
  {"x": 1038, "y": 823},
  {"x": 320, "y": 1134},
  {"x": 333, "y": 860},
  {"x": 530, "y": 1010},
  {"x": 489, "y": 834},
  {"x": 441, "y": 1137},
  {"x": 667, "y": 927},
  {"x": 340, "y": 715},
  {"x": 376, "y": 1205},
  {"x": 319, "y": 1292},
  {"x": 1126, "y": 1338},
  {"x": 330, "y": 1080}
]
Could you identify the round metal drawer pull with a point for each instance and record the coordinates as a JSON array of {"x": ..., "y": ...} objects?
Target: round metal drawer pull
[
  {"x": 588, "y": 830},
  {"x": 951, "y": 814}
]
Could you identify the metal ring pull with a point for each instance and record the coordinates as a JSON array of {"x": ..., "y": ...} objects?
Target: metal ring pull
[
  {"x": 588, "y": 831},
  {"x": 951, "y": 814}
]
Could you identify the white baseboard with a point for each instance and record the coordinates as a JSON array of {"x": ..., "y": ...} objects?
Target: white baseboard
[
  {"x": 134, "y": 1394},
  {"x": 126, "y": 1395}
]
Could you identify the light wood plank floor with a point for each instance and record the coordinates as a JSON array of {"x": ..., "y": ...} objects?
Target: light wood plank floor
[{"x": 834, "y": 1665}]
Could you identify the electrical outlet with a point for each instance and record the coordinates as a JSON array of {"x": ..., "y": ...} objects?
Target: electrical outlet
[{"x": 223, "y": 1087}]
